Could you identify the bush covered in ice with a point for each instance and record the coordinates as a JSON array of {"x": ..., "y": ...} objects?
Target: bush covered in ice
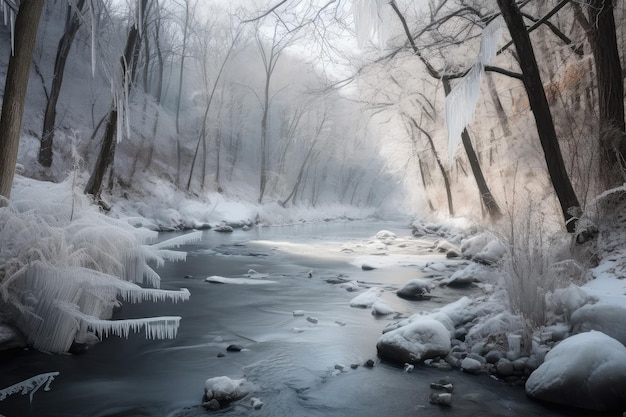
[{"x": 64, "y": 265}]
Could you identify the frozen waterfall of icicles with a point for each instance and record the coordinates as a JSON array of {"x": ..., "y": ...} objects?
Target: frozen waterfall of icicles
[
  {"x": 461, "y": 101},
  {"x": 63, "y": 269}
]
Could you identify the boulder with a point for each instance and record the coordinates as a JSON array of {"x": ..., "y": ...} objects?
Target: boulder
[
  {"x": 366, "y": 299},
  {"x": 415, "y": 289},
  {"x": 587, "y": 370},
  {"x": 224, "y": 390},
  {"x": 609, "y": 319},
  {"x": 419, "y": 340}
]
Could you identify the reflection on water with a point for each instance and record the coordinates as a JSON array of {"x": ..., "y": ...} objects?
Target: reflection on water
[{"x": 290, "y": 361}]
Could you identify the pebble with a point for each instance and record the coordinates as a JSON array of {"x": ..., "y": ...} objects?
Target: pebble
[
  {"x": 220, "y": 355},
  {"x": 212, "y": 405},
  {"x": 441, "y": 399},
  {"x": 504, "y": 367},
  {"x": 340, "y": 367},
  {"x": 369, "y": 363},
  {"x": 408, "y": 367},
  {"x": 298, "y": 313},
  {"x": 234, "y": 348},
  {"x": 471, "y": 365},
  {"x": 256, "y": 403},
  {"x": 311, "y": 320}
]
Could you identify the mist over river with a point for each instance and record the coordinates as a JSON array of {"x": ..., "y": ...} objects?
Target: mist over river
[{"x": 289, "y": 361}]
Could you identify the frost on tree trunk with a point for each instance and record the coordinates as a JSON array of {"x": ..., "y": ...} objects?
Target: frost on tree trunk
[
  {"x": 541, "y": 110},
  {"x": 23, "y": 34}
]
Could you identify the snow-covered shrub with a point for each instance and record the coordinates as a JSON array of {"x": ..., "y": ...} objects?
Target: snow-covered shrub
[
  {"x": 64, "y": 265},
  {"x": 533, "y": 265}
]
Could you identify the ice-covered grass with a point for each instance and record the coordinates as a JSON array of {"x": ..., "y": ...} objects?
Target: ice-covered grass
[{"x": 64, "y": 266}]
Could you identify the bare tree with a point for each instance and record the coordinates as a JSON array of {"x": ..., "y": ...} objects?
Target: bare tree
[{"x": 72, "y": 24}]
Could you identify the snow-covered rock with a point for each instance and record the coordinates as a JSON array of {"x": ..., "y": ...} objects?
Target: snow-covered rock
[
  {"x": 491, "y": 253},
  {"x": 381, "y": 308},
  {"x": 609, "y": 319},
  {"x": 587, "y": 370},
  {"x": 415, "y": 289},
  {"x": 367, "y": 298},
  {"x": 10, "y": 338},
  {"x": 473, "y": 245},
  {"x": 225, "y": 389},
  {"x": 419, "y": 340}
]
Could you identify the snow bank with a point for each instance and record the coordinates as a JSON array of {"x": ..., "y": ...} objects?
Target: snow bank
[{"x": 587, "y": 370}]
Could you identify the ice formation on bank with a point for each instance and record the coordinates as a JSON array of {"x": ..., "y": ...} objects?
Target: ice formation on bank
[
  {"x": 29, "y": 386},
  {"x": 65, "y": 266}
]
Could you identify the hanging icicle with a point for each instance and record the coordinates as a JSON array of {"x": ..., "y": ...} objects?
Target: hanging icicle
[
  {"x": 371, "y": 21},
  {"x": 461, "y": 102},
  {"x": 92, "y": 15}
]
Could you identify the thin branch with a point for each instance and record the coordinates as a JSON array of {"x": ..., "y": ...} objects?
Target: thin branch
[{"x": 268, "y": 12}]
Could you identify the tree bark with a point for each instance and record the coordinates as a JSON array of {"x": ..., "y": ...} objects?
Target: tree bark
[
  {"x": 72, "y": 25},
  {"x": 603, "y": 40},
  {"x": 18, "y": 71},
  {"x": 541, "y": 110}
]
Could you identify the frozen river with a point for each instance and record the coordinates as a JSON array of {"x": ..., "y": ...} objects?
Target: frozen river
[{"x": 290, "y": 361}]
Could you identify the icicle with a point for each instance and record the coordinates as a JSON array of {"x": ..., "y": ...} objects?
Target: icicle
[
  {"x": 371, "y": 20},
  {"x": 461, "y": 101},
  {"x": 179, "y": 240},
  {"x": 30, "y": 386},
  {"x": 460, "y": 104},
  {"x": 93, "y": 38},
  {"x": 12, "y": 18},
  {"x": 5, "y": 11},
  {"x": 127, "y": 83},
  {"x": 139, "y": 17}
]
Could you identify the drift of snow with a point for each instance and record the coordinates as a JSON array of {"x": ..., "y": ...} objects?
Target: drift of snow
[
  {"x": 461, "y": 101},
  {"x": 587, "y": 370}
]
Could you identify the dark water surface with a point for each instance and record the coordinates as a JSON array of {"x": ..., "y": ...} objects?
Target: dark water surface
[{"x": 289, "y": 361}]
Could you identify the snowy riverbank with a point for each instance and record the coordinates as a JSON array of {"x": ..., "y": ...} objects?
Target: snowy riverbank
[{"x": 476, "y": 334}]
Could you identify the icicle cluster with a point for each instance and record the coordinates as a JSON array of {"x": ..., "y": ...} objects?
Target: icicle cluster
[
  {"x": 461, "y": 101},
  {"x": 30, "y": 386},
  {"x": 61, "y": 277},
  {"x": 9, "y": 8},
  {"x": 371, "y": 21}
]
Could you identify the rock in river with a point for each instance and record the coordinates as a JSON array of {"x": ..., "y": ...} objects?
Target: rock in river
[
  {"x": 419, "y": 340},
  {"x": 416, "y": 289}
]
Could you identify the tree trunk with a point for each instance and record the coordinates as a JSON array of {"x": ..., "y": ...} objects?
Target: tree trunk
[
  {"x": 502, "y": 118},
  {"x": 444, "y": 173},
  {"x": 107, "y": 149},
  {"x": 65, "y": 44},
  {"x": 541, "y": 110},
  {"x": 603, "y": 40},
  {"x": 18, "y": 71}
]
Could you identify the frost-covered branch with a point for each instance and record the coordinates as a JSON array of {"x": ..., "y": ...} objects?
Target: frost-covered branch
[{"x": 30, "y": 386}]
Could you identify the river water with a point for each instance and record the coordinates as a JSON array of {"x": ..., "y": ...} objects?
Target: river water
[{"x": 289, "y": 361}]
